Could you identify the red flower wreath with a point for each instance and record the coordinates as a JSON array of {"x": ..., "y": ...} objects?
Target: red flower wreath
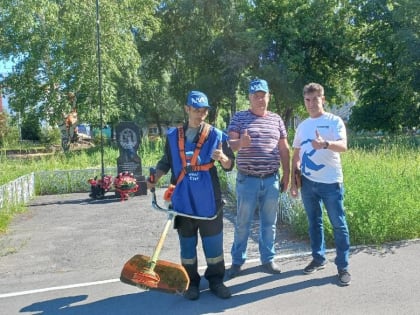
[{"x": 125, "y": 183}]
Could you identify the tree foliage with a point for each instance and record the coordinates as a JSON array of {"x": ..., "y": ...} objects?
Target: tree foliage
[
  {"x": 199, "y": 46},
  {"x": 31, "y": 128},
  {"x": 53, "y": 45},
  {"x": 388, "y": 77},
  {"x": 306, "y": 41},
  {"x": 154, "y": 52}
]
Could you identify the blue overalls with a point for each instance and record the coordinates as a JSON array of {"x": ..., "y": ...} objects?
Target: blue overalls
[{"x": 194, "y": 195}]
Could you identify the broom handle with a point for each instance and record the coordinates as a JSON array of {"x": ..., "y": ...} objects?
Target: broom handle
[{"x": 159, "y": 245}]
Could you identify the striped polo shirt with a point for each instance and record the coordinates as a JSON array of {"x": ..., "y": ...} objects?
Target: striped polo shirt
[{"x": 262, "y": 157}]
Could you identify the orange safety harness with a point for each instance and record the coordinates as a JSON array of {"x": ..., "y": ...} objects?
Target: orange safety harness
[{"x": 192, "y": 167}]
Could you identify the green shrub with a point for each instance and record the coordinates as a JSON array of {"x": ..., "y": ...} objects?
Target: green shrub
[
  {"x": 11, "y": 138},
  {"x": 50, "y": 136},
  {"x": 31, "y": 129}
]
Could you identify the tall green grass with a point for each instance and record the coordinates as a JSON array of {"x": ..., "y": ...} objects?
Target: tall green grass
[
  {"x": 381, "y": 183},
  {"x": 12, "y": 168},
  {"x": 382, "y": 195}
]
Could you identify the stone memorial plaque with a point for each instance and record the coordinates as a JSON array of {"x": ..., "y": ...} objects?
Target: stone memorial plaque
[{"x": 129, "y": 140}]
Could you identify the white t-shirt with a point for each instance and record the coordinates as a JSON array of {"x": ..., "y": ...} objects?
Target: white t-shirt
[{"x": 323, "y": 166}]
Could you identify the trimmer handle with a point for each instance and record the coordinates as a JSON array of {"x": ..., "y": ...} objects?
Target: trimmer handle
[{"x": 152, "y": 177}]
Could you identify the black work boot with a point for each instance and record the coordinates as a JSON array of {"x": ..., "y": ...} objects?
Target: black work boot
[
  {"x": 220, "y": 290},
  {"x": 193, "y": 292}
]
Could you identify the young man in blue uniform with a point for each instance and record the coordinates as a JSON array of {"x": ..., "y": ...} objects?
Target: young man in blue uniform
[{"x": 190, "y": 154}]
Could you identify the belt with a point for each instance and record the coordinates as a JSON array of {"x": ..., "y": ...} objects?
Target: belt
[{"x": 261, "y": 176}]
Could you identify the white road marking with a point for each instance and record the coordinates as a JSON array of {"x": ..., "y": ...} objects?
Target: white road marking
[
  {"x": 64, "y": 287},
  {"x": 87, "y": 284}
]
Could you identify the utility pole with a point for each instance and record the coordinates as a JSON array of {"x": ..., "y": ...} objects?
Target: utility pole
[
  {"x": 98, "y": 37},
  {"x": 1, "y": 100}
]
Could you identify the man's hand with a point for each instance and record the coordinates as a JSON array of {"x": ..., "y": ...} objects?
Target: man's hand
[
  {"x": 318, "y": 143},
  {"x": 245, "y": 140},
  {"x": 150, "y": 185},
  {"x": 218, "y": 154},
  {"x": 296, "y": 183},
  {"x": 151, "y": 180},
  {"x": 284, "y": 183}
]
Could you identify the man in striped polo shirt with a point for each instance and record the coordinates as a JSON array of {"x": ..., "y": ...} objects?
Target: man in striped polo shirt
[{"x": 260, "y": 139}]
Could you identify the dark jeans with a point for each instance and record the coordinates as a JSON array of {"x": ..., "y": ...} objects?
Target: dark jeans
[{"x": 332, "y": 196}]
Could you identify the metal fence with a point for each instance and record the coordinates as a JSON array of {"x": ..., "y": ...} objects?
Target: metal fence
[
  {"x": 22, "y": 189},
  {"x": 19, "y": 191}
]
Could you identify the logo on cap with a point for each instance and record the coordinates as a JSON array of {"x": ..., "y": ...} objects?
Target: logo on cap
[
  {"x": 258, "y": 85},
  {"x": 197, "y": 99}
]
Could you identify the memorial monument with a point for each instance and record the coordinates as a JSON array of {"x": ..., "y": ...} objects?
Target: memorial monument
[{"x": 128, "y": 140}]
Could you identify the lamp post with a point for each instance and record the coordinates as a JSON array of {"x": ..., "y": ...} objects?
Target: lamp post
[{"x": 98, "y": 41}]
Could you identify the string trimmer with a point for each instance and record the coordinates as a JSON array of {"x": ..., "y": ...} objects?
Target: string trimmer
[{"x": 150, "y": 273}]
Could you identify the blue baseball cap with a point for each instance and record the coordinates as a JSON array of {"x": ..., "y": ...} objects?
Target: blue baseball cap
[
  {"x": 197, "y": 99},
  {"x": 258, "y": 85}
]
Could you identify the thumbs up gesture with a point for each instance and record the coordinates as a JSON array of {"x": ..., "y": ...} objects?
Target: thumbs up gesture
[
  {"x": 319, "y": 142},
  {"x": 218, "y": 154},
  {"x": 245, "y": 139}
]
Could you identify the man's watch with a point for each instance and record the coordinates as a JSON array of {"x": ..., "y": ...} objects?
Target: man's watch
[{"x": 326, "y": 144}]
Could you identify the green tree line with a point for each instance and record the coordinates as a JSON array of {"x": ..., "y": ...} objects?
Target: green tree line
[{"x": 153, "y": 52}]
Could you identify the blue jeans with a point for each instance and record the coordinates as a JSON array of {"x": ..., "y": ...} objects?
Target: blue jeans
[
  {"x": 253, "y": 193},
  {"x": 332, "y": 196}
]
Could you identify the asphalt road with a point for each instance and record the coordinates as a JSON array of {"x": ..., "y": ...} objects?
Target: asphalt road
[{"x": 65, "y": 254}]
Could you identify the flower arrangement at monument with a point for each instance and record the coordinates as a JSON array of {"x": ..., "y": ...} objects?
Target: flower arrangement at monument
[
  {"x": 99, "y": 187},
  {"x": 125, "y": 184}
]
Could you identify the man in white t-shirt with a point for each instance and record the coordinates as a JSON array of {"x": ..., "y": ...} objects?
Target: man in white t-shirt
[{"x": 317, "y": 145}]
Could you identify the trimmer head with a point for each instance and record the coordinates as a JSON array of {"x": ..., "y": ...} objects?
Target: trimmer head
[{"x": 165, "y": 276}]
